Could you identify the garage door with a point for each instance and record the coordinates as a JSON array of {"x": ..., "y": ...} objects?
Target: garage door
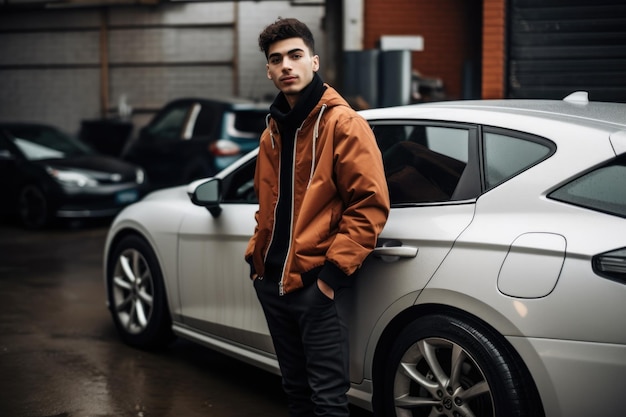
[{"x": 560, "y": 46}]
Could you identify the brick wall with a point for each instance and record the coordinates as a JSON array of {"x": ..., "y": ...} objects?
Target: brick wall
[
  {"x": 447, "y": 26},
  {"x": 50, "y": 60},
  {"x": 493, "y": 57},
  {"x": 254, "y": 16}
]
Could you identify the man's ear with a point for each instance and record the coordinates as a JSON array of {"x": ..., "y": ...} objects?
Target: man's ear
[
  {"x": 316, "y": 63},
  {"x": 267, "y": 66}
]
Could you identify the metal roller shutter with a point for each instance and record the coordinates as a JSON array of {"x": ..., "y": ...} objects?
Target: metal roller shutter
[{"x": 560, "y": 46}]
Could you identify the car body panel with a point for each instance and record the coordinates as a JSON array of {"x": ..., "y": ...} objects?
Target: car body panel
[
  {"x": 228, "y": 300},
  {"x": 565, "y": 369},
  {"x": 387, "y": 280}
]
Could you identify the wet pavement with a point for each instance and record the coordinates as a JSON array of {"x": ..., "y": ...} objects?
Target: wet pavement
[{"x": 60, "y": 355}]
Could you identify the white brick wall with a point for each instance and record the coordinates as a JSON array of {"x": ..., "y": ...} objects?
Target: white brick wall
[
  {"x": 50, "y": 60},
  {"x": 253, "y": 18}
]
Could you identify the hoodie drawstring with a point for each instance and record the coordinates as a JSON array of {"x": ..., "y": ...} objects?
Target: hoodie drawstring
[
  {"x": 267, "y": 125},
  {"x": 315, "y": 136}
]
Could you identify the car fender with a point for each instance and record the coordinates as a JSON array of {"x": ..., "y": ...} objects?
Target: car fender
[{"x": 160, "y": 231}]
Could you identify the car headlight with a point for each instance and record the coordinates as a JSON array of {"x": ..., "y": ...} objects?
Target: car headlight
[{"x": 72, "y": 178}]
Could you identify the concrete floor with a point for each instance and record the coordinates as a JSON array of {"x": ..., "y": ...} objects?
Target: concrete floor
[{"x": 60, "y": 355}]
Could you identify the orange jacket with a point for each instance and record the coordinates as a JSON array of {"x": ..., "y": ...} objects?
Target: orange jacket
[{"x": 341, "y": 201}]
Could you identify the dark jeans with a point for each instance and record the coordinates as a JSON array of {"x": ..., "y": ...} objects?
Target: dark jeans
[{"x": 310, "y": 337}]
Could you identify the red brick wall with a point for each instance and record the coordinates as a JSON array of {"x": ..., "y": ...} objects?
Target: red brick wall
[
  {"x": 444, "y": 25},
  {"x": 493, "y": 61}
]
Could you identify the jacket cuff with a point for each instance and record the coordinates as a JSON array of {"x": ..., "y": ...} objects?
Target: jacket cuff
[
  {"x": 333, "y": 276},
  {"x": 251, "y": 263}
]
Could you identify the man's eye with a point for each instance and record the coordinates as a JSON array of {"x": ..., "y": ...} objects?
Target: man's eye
[{"x": 275, "y": 61}]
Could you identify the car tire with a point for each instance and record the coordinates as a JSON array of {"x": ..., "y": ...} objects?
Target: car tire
[
  {"x": 137, "y": 298},
  {"x": 452, "y": 366},
  {"x": 33, "y": 207}
]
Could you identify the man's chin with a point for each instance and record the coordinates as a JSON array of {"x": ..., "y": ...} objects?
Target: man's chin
[{"x": 291, "y": 90}]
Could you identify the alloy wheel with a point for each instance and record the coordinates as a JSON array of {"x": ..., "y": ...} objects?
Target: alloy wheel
[
  {"x": 132, "y": 291},
  {"x": 437, "y": 377}
]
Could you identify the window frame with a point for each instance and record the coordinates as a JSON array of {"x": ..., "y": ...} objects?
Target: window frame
[{"x": 469, "y": 185}]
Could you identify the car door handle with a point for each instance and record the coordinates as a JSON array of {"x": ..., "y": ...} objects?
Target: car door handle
[{"x": 392, "y": 251}]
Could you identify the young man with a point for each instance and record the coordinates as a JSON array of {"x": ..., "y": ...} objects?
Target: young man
[{"x": 323, "y": 200}]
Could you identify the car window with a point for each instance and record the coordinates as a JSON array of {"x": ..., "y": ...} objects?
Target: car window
[
  {"x": 506, "y": 156},
  {"x": 602, "y": 189},
  {"x": 41, "y": 142},
  {"x": 423, "y": 163},
  {"x": 238, "y": 187},
  {"x": 244, "y": 124},
  {"x": 206, "y": 121},
  {"x": 169, "y": 125},
  {"x": 251, "y": 121}
]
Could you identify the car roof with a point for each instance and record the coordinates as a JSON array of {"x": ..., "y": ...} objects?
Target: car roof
[
  {"x": 237, "y": 103},
  {"x": 584, "y": 113},
  {"x": 10, "y": 125}
]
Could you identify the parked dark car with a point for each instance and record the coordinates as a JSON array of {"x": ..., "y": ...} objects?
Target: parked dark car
[
  {"x": 194, "y": 138},
  {"x": 46, "y": 174}
]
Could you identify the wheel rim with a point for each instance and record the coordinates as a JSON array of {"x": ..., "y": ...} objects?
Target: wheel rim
[
  {"x": 437, "y": 377},
  {"x": 133, "y": 291},
  {"x": 33, "y": 207}
]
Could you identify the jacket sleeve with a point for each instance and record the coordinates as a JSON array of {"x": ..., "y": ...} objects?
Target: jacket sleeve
[
  {"x": 252, "y": 252},
  {"x": 361, "y": 183}
]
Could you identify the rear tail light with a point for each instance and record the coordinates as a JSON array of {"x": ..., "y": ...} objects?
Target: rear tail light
[
  {"x": 611, "y": 265},
  {"x": 224, "y": 147}
]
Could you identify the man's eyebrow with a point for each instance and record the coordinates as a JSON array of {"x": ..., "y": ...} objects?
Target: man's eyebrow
[{"x": 275, "y": 54}]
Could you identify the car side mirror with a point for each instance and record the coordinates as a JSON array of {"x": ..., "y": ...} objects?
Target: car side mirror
[{"x": 209, "y": 195}]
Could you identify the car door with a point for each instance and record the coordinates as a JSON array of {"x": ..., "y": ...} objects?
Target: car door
[
  {"x": 429, "y": 210},
  {"x": 217, "y": 295},
  {"x": 433, "y": 180}
]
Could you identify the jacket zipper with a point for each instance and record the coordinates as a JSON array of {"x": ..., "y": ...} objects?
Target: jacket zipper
[{"x": 281, "y": 290}]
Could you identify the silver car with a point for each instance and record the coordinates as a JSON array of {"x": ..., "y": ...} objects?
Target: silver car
[{"x": 497, "y": 288}]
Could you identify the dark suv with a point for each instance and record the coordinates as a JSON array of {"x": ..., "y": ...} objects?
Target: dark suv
[{"x": 195, "y": 138}]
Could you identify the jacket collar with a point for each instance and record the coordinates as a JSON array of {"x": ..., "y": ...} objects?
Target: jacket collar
[{"x": 292, "y": 118}]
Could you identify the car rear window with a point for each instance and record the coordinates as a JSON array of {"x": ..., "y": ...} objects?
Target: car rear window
[
  {"x": 250, "y": 121},
  {"x": 167, "y": 126},
  {"x": 602, "y": 189},
  {"x": 506, "y": 155}
]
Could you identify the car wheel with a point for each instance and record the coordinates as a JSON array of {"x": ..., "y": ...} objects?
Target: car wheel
[
  {"x": 137, "y": 297},
  {"x": 442, "y": 365},
  {"x": 33, "y": 207}
]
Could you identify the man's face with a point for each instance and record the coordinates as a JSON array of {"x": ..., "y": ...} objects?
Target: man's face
[{"x": 291, "y": 67}]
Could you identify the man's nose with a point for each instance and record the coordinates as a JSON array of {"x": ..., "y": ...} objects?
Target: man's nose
[{"x": 286, "y": 64}]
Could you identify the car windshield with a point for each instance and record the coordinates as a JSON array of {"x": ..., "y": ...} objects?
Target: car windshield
[{"x": 41, "y": 142}]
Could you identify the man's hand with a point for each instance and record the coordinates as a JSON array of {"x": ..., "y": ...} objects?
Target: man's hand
[{"x": 325, "y": 289}]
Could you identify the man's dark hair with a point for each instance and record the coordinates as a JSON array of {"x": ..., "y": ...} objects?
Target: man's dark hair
[{"x": 283, "y": 29}]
